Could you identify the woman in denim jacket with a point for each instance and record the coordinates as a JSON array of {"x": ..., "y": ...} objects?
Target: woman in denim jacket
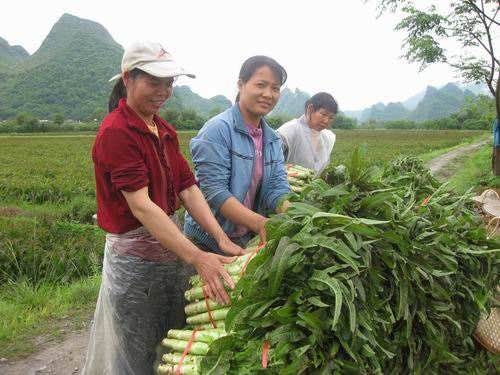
[{"x": 238, "y": 159}]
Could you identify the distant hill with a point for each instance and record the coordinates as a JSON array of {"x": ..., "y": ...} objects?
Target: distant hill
[
  {"x": 291, "y": 103},
  {"x": 69, "y": 74},
  {"x": 412, "y": 102},
  {"x": 11, "y": 55},
  {"x": 439, "y": 103},
  {"x": 431, "y": 104},
  {"x": 183, "y": 98}
]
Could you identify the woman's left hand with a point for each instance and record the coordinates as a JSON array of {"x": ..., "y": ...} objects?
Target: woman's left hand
[{"x": 230, "y": 248}]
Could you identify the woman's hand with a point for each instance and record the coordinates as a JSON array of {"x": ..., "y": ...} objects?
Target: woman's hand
[
  {"x": 211, "y": 269},
  {"x": 229, "y": 247},
  {"x": 283, "y": 207},
  {"x": 260, "y": 228}
]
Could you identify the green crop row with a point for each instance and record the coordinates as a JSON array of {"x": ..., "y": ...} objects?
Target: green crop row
[{"x": 35, "y": 251}]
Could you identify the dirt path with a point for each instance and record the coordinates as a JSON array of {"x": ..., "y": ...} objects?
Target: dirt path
[
  {"x": 67, "y": 357},
  {"x": 438, "y": 164},
  {"x": 58, "y": 358}
]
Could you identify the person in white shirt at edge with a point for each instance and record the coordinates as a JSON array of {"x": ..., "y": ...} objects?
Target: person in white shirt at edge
[{"x": 308, "y": 141}]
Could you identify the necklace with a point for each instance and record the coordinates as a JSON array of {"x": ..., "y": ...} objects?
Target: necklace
[{"x": 152, "y": 127}]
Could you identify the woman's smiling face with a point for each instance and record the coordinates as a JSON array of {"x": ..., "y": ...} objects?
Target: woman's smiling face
[
  {"x": 146, "y": 94},
  {"x": 259, "y": 95}
]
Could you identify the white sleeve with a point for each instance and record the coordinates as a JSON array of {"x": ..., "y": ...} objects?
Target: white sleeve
[{"x": 331, "y": 140}]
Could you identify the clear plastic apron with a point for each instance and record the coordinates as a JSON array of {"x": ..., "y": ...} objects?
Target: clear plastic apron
[{"x": 139, "y": 301}]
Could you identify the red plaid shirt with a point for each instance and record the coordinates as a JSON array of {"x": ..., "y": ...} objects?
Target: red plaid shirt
[{"x": 128, "y": 156}]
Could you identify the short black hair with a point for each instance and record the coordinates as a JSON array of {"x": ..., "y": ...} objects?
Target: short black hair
[
  {"x": 322, "y": 100},
  {"x": 255, "y": 62}
]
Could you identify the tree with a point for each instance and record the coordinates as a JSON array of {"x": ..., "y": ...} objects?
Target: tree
[
  {"x": 344, "y": 122},
  {"x": 58, "y": 119},
  {"x": 277, "y": 120},
  {"x": 22, "y": 117},
  {"x": 473, "y": 24}
]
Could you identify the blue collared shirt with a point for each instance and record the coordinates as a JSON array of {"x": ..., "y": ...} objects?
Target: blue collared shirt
[{"x": 223, "y": 156}]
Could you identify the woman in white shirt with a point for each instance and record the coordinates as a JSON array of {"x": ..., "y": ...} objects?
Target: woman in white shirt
[{"x": 308, "y": 141}]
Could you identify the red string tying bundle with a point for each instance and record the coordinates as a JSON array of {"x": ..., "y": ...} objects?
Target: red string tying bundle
[
  {"x": 259, "y": 248},
  {"x": 265, "y": 353},
  {"x": 212, "y": 321},
  {"x": 185, "y": 352}
]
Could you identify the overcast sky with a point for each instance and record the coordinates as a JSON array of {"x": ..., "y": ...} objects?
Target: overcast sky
[{"x": 338, "y": 46}]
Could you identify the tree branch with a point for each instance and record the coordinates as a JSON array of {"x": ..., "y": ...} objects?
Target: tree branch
[
  {"x": 494, "y": 16},
  {"x": 490, "y": 51},
  {"x": 478, "y": 10}
]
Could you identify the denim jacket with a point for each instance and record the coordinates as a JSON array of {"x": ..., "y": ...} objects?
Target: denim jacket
[{"x": 223, "y": 154}]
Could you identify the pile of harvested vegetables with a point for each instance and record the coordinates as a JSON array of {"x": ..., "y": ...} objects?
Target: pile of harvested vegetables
[
  {"x": 371, "y": 270},
  {"x": 181, "y": 351},
  {"x": 298, "y": 176}
]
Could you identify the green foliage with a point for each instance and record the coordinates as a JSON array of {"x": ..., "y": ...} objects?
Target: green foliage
[
  {"x": 58, "y": 119},
  {"x": 475, "y": 114},
  {"x": 275, "y": 121},
  {"x": 40, "y": 251},
  {"x": 476, "y": 173},
  {"x": 30, "y": 311},
  {"x": 344, "y": 122},
  {"x": 183, "y": 119},
  {"x": 27, "y": 121},
  {"x": 372, "y": 270},
  {"x": 472, "y": 24},
  {"x": 37, "y": 126}
]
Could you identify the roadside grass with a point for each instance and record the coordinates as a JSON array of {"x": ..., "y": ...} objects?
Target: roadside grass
[
  {"x": 428, "y": 156},
  {"x": 33, "y": 315},
  {"x": 475, "y": 173}
]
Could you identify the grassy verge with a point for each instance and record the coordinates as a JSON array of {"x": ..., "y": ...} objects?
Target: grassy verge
[
  {"x": 47, "y": 282},
  {"x": 434, "y": 154},
  {"x": 44, "y": 312},
  {"x": 475, "y": 172}
]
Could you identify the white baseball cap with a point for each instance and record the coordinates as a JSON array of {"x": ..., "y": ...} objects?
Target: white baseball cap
[{"x": 151, "y": 58}]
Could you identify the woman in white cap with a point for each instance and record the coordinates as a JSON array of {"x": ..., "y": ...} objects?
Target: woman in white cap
[{"x": 141, "y": 178}]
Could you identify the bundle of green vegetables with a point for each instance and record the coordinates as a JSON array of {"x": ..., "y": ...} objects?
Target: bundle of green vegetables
[
  {"x": 184, "y": 349},
  {"x": 298, "y": 176},
  {"x": 371, "y": 270}
]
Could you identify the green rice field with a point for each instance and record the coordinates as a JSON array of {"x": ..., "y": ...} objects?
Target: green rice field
[{"x": 58, "y": 169}]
